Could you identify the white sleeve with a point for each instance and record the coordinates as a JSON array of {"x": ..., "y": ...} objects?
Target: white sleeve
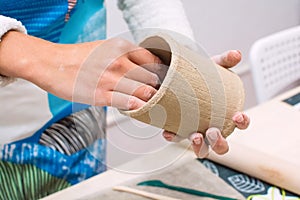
[
  {"x": 7, "y": 24},
  {"x": 158, "y": 14}
]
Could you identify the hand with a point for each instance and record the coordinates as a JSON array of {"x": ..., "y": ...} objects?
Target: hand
[
  {"x": 112, "y": 72},
  {"x": 119, "y": 74},
  {"x": 214, "y": 138}
]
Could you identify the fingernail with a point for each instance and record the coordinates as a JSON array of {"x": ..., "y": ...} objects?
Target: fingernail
[
  {"x": 168, "y": 136},
  {"x": 238, "y": 51},
  {"x": 197, "y": 140},
  {"x": 148, "y": 93},
  {"x": 239, "y": 118},
  {"x": 212, "y": 136}
]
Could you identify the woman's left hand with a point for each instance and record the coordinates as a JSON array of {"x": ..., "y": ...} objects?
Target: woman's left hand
[{"x": 214, "y": 138}]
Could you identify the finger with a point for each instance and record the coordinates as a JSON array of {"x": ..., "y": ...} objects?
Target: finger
[
  {"x": 142, "y": 56},
  {"x": 169, "y": 136},
  {"x": 216, "y": 141},
  {"x": 134, "y": 88},
  {"x": 200, "y": 148},
  {"x": 121, "y": 101},
  {"x": 172, "y": 137},
  {"x": 228, "y": 59},
  {"x": 159, "y": 69},
  {"x": 142, "y": 75},
  {"x": 241, "y": 120},
  {"x": 149, "y": 61}
]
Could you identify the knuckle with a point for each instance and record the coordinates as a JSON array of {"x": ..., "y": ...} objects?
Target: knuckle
[
  {"x": 147, "y": 58},
  {"x": 102, "y": 99},
  {"x": 121, "y": 46},
  {"x": 125, "y": 47},
  {"x": 116, "y": 65},
  {"x": 121, "y": 43},
  {"x": 144, "y": 52}
]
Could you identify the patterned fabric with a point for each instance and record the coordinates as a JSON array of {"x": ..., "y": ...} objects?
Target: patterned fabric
[
  {"x": 75, "y": 132},
  {"x": 250, "y": 187},
  {"x": 48, "y": 19},
  {"x": 60, "y": 149},
  {"x": 43, "y": 18},
  {"x": 23, "y": 182},
  {"x": 69, "y": 151},
  {"x": 71, "y": 5}
]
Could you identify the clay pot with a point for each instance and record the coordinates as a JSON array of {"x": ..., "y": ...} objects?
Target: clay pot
[{"x": 195, "y": 94}]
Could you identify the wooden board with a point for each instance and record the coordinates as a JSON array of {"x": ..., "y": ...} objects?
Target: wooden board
[
  {"x": 192, "y": 175},
  {"x": 184, "y": 171},
  {"x": 270, "y": 148}
]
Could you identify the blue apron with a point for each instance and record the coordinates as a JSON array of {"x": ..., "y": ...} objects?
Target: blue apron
[{"x": 47, "y": 19}]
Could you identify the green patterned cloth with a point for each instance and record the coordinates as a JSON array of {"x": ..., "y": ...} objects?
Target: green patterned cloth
[{"x": 25, "y": 181}]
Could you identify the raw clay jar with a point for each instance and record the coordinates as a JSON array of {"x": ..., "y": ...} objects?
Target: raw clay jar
[{"x": 196, "y": 93}]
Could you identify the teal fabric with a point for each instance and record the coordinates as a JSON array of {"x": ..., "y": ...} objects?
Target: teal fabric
[{"x": 78, "y": 24}]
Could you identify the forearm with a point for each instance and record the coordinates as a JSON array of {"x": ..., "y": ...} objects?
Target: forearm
[
  {"x": 37, "y": 60},
  {"x": 20, "y": 55},
  {"x": 8, "y": 24}
]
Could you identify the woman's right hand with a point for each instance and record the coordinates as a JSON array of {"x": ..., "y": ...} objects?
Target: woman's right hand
[{"x": 111, "y": 72}]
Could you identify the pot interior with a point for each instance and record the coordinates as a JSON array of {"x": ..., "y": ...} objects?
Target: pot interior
[{"x": 159, "y": 47}]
